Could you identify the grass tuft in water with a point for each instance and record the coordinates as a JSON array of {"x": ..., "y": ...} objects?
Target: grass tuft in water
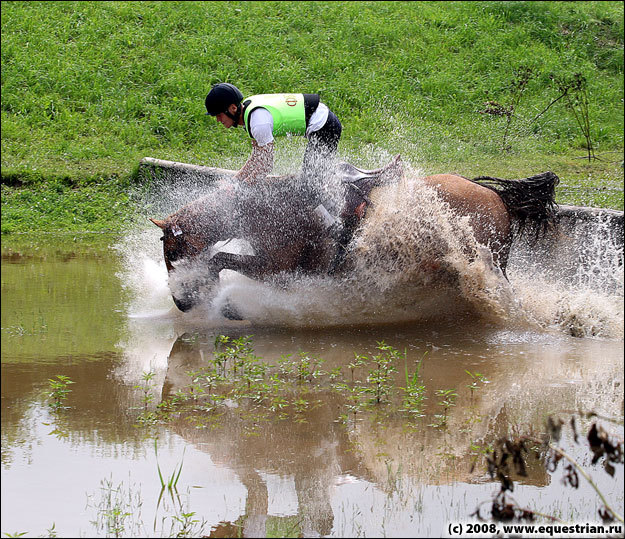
[{"x": 59, "y": 391}]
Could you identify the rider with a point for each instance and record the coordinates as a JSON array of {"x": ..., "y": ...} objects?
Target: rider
[
  {"x": 265, "y": 116},
  {"x": 268, "y": 115}
]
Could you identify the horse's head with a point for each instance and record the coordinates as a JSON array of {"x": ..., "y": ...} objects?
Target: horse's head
[{"x": 180, "y": 243}]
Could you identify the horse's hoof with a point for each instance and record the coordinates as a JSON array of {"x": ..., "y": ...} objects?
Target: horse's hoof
[
  {"x": 185, "y": 304},
  {"x": 229, "y": 312}
]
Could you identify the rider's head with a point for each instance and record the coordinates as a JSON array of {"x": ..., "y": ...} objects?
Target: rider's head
[{"x": 224, "y": 101}]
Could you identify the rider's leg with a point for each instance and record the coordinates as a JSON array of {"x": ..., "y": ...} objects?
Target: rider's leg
[
  {"x": 316, "y": 169},
  {"x": 321, "y": 148},
  {"x": 342, "y": 236},
  {"x": 318, "y": 162}
]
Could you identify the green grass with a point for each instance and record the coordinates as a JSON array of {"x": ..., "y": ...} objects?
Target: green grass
[
  {"x": 54, "y": 205},
  {"x": 89, "y": 88}
]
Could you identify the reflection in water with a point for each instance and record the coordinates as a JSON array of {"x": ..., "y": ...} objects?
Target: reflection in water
[
  {"x": 254, "y": 474},
  {"x": 526, "y": 382}
]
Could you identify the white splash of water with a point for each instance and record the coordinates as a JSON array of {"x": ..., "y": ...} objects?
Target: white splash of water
[
  {"x": 412, "y": 246},
  {"x": 411, "y": 264},
  {"x": 573, "y": 281},
  {"x": 143, "y": 274}
]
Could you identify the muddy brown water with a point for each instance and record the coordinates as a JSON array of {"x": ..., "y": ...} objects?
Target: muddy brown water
[{"x": 98, "y": 311}]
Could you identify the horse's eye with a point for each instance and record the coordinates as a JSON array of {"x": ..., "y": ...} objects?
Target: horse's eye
[{"x": 162, "y": 238}]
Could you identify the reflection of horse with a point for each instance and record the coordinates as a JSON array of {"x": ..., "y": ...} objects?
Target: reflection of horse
[
  {"x": 316, "y": 455},
  {"x": 277, "y": 221}
]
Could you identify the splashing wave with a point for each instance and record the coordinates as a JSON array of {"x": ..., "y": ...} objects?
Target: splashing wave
[{"x": 413, "y": 261}]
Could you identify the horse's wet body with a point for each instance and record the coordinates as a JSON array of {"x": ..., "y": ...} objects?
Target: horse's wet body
[
  {"x": 278, "y": 222},
  {"x": 483, "y": 205},
  {"x": 275, "y": 219}
]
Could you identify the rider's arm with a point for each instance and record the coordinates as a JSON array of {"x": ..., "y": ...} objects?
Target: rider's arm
[{"x": 260, "y": 162}]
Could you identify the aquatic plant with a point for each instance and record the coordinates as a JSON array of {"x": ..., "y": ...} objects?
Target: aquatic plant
[
  {"x": 237, "y": 379},
  {"x": 186, "y": 525},
  {"x": 146, "y": 417},
  {"x": 59, "y": 391},
  {"x": 182, "y": 522},
  {"x": 304, "y": 368},
  {"x": 379, "y": 378},
  {"x": 359, "y": 361},
  {"x": 200, "y": 380},
  {"x": 146, "y": 388},
  {"x": 447, "y": 400},
  {"x": 414, "y": 391},
  {"x": 117, "y": 510},
  {"x": 477, "y": 379},
  {"x": 175, "y": 476},
  {"x": 231, "y": 351}
]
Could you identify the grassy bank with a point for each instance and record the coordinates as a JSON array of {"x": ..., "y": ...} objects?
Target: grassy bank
[{"x": 89, "y": 88}]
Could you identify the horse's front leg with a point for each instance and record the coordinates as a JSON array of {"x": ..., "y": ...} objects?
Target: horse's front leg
[
  {"x": 188, "y": 293},
  {"x": 252, "y": 266}
]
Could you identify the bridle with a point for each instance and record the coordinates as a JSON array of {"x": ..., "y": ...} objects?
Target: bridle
[{"x": 176, "y": 252}]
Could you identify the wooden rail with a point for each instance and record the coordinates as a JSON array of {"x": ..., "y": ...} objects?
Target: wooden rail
[{"x": 568, "y": 216}]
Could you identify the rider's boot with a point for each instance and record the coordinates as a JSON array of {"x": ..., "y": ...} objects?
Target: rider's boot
[
  {"x": 338, "y": 230},
  {"x": 342, "y": 233}
]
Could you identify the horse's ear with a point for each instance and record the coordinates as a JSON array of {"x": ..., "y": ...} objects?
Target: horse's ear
[{"x": 159, "y": 224}]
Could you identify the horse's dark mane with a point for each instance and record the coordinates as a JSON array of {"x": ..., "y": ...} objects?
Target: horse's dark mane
[{"x": 530, "y": 201}]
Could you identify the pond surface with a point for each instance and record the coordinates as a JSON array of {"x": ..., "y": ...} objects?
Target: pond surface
[{"x": 98, "y": 311}]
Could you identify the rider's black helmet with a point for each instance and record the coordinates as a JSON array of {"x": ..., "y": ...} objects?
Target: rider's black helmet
[{"x": 221, "y": 96}]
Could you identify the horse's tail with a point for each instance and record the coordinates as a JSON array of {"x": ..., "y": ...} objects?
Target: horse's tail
[{"x": 530, "y": 201}]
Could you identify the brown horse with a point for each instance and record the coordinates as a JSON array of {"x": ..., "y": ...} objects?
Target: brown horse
[{"x": 277, "y": 221}]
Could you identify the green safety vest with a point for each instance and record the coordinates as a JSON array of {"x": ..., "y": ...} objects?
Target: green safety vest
[{"x": 289, "y": 115}]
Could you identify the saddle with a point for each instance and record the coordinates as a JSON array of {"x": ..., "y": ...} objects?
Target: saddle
[{"x": 359, "y": 184}]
